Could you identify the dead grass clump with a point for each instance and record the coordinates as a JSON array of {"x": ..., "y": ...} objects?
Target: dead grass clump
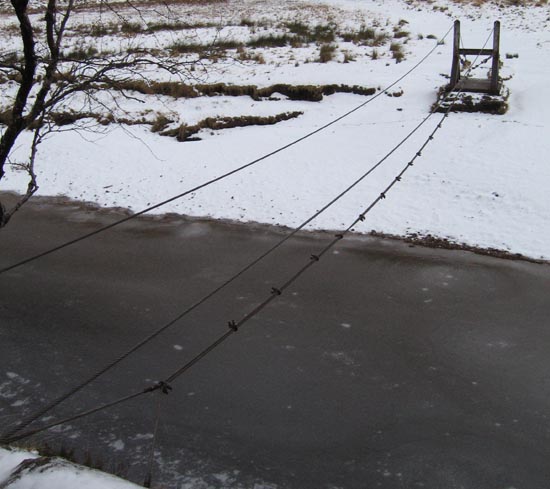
[
  {"x": 323, "y": 34},
  {"x": 81, "y": 53},
  {"x": 308, "y": 93},
  {"x": 245, "y": 22},
  {"x": 270, "y": 41},
  {"x": 182, "y": 47},
  {"x": 400, "y": 34},
  {"x": 185, "y": 132},
  {"x": 245, "y": 55},
  {"x": 219, "y": 89},
  {"x": 326, "y": 53},
  {"x": 366, "y": 36},
  {"x": 132, "y": 27},
  {"x": 355, "y": 89},
  {"x": 67, "y": 118},
  {"x": 298, "y": 29},
  {"x": 160, "y": 123},
  {"x": 178, "y": 26},
  {"x": 397, "y": 52}
]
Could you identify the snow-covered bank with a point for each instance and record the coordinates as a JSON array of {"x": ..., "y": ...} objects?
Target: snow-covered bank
[
  {"x": 483, "y": 181},
  {"x": 25, "y": 470}
]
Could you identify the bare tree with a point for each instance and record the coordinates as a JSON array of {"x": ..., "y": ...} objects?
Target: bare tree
[{"x": 46, "y": 77}]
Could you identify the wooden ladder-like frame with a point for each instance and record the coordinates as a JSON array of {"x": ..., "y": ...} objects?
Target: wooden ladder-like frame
[{"x": 491, "y": 85}]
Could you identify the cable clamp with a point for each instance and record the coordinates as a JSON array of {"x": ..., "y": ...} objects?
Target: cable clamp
[
  {"x": 276, "y": 291},
  {"x": 161, "y": 385},
  {"x": 233, "y": 326},
  {"x": 382, "y": 195},
  {"x": 410, "y": 163},
  {"x": 419, "y": 154},
  {"x": 339, "y": 236},
  {"x": 431, "y": 138},
  {"x": 164, "y": 387},
  {"x": 397, "y": 179},
  {"x": 361, "y": 217},
  {"x": 314, "y": 257}
]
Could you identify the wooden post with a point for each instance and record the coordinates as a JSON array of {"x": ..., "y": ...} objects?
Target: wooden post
[
  {"x": 455, "y": 69},
  {"x": 494, "y": 90}
]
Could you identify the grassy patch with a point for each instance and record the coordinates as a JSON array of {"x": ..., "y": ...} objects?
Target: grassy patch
[
  {"x": 366, "y": 36},
  {"x": 81, "y": 53},
  {"x": 186, "y": 132},
  {"x": 310, "y": 93},
  {"x": 270, "y": 41}
]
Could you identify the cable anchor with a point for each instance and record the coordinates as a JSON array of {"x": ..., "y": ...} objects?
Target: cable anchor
[
  {"x": 276, "y": 291},
  {"x": 233, "y": 326}
]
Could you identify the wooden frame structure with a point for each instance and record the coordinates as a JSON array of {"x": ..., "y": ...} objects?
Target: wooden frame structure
[{"x": 490, "y": 85}]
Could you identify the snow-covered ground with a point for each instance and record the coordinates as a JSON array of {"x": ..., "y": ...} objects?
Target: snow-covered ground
[
  {"x": 483, "y": 181},
  {"x": 25, "y": 470}
]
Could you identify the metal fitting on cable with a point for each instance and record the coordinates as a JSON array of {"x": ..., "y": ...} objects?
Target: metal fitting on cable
[
  {"x": 383, "y": 195},
  {"x": 339, "y": 236},
  {"x": 361, "y": 217},
  {"x": 314, "y": 257},
  {"x": 161, "y": 385},
  {"x": 164, "y": 387},
  {"x": 276, "y": 291},
  {"x": 233, "y": 326},
  {"x": 397, "y": 179}
]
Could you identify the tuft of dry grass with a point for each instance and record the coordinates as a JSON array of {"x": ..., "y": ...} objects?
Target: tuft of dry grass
[
  {"x": 397, "y": 52},
  {"x": 326, "y": 53}
]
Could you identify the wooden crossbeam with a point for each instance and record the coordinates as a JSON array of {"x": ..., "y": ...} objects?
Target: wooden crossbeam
[{"x": 475, "y": 52}]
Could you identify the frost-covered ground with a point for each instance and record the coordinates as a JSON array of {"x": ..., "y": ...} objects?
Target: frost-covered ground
[
  {"x": 25, "y": 470},
  {"x": 483, "y": 181}
]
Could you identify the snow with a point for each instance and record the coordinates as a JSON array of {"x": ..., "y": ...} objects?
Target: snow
[
  {"x": 483, "y": 181},
  {"x": 56, "y": 473}
]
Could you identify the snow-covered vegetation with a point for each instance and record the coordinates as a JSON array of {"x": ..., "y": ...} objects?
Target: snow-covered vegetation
[{"x": 25, "y": 470}]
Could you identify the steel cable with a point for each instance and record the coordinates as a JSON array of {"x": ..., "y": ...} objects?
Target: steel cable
[
  {"x": 275, "y": 292},
  {"x": 223, "y": 176}
]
